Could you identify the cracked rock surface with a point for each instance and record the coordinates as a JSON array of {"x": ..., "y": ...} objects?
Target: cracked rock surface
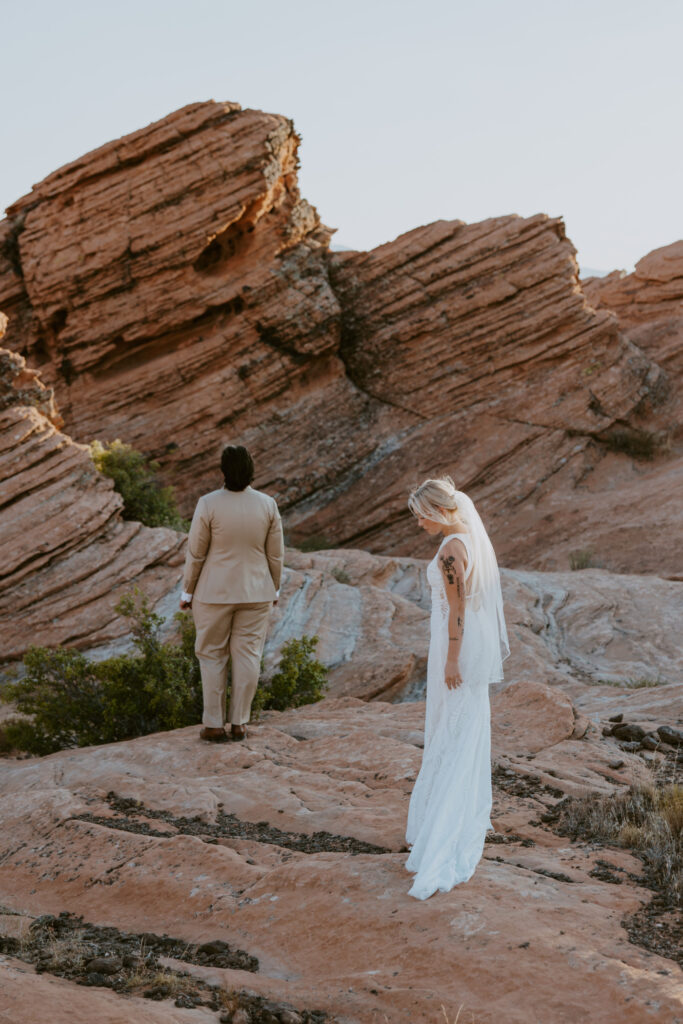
[{"x": 145, "y": 835}]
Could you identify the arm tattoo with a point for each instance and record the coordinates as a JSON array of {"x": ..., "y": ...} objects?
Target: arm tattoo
[
  {"x": 458, "y": 629},
  {"x": 449, "y": 568}
]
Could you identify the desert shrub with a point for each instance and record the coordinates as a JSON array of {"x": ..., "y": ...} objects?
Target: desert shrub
[
  {"x": 68, "y": 700},
  {"x": 637, "y": 444},
  {"x": 632, "y": 683},
  {"x": 340, "y": 575},
  {"x": 582, "y": 559},
  {"x": 135, "y": 479},
  {"x": 314, "y": 542},
  {"x": 73, "y": 701},
  {"x": 646, "y": 819},
  {"x": 300, "y": 677}
]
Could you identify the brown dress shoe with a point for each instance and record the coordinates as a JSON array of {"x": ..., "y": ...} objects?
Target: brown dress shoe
[
  {"x": 213, "y": 735},
  {"x": 238, "y": 732}
]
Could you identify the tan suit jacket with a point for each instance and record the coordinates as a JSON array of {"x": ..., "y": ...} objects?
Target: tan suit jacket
[{"x": 235, "y": 549}]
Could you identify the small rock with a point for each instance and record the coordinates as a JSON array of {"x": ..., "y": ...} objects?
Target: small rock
[
  {"x": 240, "y": 1016},
  {"x": 215, "y": 948},
  {"x": 104, "y": 965},
  {"x": 581, "y": 725},
  {"x": 96, "y": 978},
  {"x": 615, "y": 764},
  {"x": 630, "y": 746},
  {"x": 650, "y": 741},
  {"x": 667, "y": 734},
  {"x": 607, "y": 730},
  {"x": 185, "y": 1001},
  {"x": 616, "y": 718},
  {"x": 158, "y": 992},
  {"x": 290, "y": 1017},
  {"x": 628, "y": 731}
]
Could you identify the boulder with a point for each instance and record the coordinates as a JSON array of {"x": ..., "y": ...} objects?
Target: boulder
[{"x": 529, "y": 716}]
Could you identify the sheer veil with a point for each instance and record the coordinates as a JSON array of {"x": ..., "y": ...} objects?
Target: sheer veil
[{"x": 486, "y": 596}]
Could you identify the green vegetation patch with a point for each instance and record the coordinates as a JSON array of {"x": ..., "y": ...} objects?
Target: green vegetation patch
[
  {"x": 68, "y": 700},
  {"x": 135, "y": 478}
]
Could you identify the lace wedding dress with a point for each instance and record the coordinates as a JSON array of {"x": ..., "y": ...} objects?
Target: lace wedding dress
[{"x": 450, "y": 806}]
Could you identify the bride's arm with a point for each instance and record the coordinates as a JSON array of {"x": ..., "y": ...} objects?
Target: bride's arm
[{"x": 452, "y": 565}]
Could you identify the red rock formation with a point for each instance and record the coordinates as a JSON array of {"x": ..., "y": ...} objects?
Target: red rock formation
[
  {"x": 67, "y": 555},
  {"x": 649, "y": 306},
  {"x": 177, "y": 292}
]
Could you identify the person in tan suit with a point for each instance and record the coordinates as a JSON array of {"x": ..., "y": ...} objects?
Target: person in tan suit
[{"x": 233, "y": 567}]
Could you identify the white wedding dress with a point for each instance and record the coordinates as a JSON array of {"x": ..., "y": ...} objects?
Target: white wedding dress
[{"x": 450, "y": 806}]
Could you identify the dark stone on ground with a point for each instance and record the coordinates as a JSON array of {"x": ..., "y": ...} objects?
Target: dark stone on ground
[
  {"x": 668, "y": 734},
  {"x": 628, "y": 731}
]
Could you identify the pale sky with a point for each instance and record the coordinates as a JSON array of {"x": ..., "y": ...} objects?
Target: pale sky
[{"x": 409, "y": 111}]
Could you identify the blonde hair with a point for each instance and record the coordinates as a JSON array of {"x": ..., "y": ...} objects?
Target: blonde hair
[{"x": 435, "y": 499}]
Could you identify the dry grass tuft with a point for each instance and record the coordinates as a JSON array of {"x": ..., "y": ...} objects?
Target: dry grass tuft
[
  {"x": 583, "y": 558},
  {"x": 172, "y": 984},
  {"x": 646, "y": 819},
  {"x": 634, "y": 683}
]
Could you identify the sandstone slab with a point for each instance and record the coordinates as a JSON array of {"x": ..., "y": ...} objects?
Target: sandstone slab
[
  {"x": 531, "y": 716},
  {"x": 532, "y": 928}
]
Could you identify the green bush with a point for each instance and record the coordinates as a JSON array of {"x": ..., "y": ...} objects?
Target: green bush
[
  {"x": 76, "y": 702},
  {"x": 135, "y": 479},
  {"x": 300, "y": 678},
  {"x": 68, "y": 700}
]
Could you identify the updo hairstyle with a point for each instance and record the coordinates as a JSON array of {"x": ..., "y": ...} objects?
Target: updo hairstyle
[{"x": 435, "y": 500}]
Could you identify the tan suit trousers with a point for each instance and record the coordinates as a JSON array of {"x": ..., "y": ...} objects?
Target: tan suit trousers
[{"x": 229, "y": 631}]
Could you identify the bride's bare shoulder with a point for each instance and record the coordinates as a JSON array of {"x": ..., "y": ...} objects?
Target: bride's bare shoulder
[{"x": 453, "y": 552}]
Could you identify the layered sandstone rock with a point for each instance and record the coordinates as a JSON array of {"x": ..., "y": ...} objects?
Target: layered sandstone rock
[
  {"x": 67, "y": 554},
  {"x": 205, "y": 844},
  {"x": 177, "y": 292},
  {"x": 585, "y": 632},
  {"x": 649, "y": 306},
  {"x": 654, "y": 291}
]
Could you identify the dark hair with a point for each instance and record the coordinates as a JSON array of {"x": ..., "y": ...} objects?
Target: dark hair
[{"x": 237, "y": 466}]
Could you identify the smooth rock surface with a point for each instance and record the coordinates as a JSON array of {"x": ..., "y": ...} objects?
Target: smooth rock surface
[
  {"x": 569, "y": 629},
  {"x": 336, "y": 930}
]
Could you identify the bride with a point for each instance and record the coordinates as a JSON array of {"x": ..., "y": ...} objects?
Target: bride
[{"x": 450, "y": 806}]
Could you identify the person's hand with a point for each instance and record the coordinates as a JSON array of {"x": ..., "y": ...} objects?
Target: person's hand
[
  {"x": 452, "y": 674},
  {"x": 276, "y": 602},
  {"x": 184, "y": 605}
]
